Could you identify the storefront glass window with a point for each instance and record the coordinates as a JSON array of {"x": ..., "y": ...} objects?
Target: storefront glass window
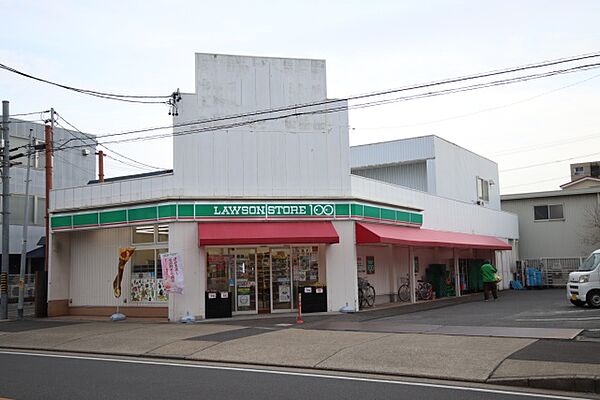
[
  {"x": 244, "y": 272},
  {"x": 146, "y": 283},
  {"x": 163, "y": 233},
  {"x": 143, "y": 234},
  {"x": 217, "y": 271}
]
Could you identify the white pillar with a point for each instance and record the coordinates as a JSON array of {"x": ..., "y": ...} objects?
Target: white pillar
[
  {"x": 342, "y": 276},
  {"x": 411, "y": 262},
  {"x": 456, "y": 272},
  {"x": 393, "y": 273},
  {"x": 183, "y": 239}
]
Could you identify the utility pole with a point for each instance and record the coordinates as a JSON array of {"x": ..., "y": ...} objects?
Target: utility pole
[
  {"x": 49, "y": 131},
  {"x": 25, "y": 226},
  {"x": 5, "y": 212}
]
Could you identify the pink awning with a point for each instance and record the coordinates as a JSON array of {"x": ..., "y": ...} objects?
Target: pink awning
[
  {"x": 232, "y": 233},
  {"x": 402, "y": 235}
]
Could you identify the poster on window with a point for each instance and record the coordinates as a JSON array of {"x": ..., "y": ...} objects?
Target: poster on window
[
  {"x": 284, "y": 293},
  {"x": 370, "y": 265},
  {"x": 172, "y": 272}
]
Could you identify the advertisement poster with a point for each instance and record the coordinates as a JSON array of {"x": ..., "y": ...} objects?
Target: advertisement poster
[
  {"x": 243, "y": 300},
  {"x": 284, "y": 293},
  {"x": 172, "y": 272},
  {"x": 370, "y": 265}
]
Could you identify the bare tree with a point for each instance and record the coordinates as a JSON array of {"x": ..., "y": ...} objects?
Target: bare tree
[{"x": 592, "y": 235}]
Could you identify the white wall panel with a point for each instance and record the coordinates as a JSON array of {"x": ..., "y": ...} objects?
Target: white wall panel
[
  {"x": 440, "y": 213},
  {"x": 412, "y": 175},
  {"x": 183, "y": 239},
  {"x": 341, "y": 268},
  {"x": 457, "y": 170},
  {"x": 397, "y": 151},
  {"x": 94, "y": 260},
  {"x": 59, "y": 274}
]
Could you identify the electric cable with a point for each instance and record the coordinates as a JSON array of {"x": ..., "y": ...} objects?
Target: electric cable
[
  {"x": 356, "y": 106},
  {"x": 146, "y": 166},
  {"x": 372, "y": 94},
  {"x": 111, "y": 96}
]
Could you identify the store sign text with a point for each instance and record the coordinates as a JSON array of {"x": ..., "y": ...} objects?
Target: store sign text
[{"x": 268, "y": 210}]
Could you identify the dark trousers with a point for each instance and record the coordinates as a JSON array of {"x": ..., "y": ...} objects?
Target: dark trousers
[{"x": 490, "y": 287}]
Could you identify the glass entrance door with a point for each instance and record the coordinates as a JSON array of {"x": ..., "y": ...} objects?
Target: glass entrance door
[
  {"x": 281, "y": 278},
  {"x": 263, "y": 264},
  {"x": 245, "y": 281}
]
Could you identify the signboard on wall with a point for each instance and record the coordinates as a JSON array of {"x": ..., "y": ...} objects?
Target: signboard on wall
[
  {"x": 360, "y": 266},
  {"x": 370, "y": 265},
  {"x": 172, "y": 272}
]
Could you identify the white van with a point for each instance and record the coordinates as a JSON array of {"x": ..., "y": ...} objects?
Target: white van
[{"x": 584, "y": 284}]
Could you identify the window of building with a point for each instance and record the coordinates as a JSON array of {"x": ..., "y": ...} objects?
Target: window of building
[
  {"x": 150, "y": 234},
  {"x": 146, "y": 271},
  {"x": 548, "y": 212},
  {"x": 578, "y": 171},
  {"x": 17, "y": 209},
  {"x": 483, "y": 189}
]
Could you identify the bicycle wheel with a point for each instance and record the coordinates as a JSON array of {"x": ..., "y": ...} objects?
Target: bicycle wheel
[
  {"x": 404, "y": 293},
  {"x": 370, "y": 296},
  {"x": 361, "y": 299},
  {"x": 426, "y": 291}
]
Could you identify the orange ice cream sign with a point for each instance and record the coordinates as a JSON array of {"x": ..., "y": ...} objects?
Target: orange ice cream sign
[{"x": 125, "y": 254}]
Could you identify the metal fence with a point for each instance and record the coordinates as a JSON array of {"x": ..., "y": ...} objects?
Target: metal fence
[
  {"x": 13, "y": 286},
  {"x": 555, "y": 271}
]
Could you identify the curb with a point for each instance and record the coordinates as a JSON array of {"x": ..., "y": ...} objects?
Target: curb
[{"x": 568, "y": 383}]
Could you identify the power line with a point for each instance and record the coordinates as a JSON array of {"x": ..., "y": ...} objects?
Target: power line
[
  {"x": 343, "y": 107},
  {"x": 544, "y": 146},
  {"x": 147, "y": 166},
  {"x": 549, "y": 162},
  {"x": 382, "y": 93},
  {"x": 360, "y": 105},
  {"x": 542, "y": 181},
  {"x": 479, "y": 111},
  {"x": 111, "y": 96},
  {"x": 75, "y": 165}
]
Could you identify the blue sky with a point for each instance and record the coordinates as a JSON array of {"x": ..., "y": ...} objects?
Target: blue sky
[{"x": 147, "y": 47}]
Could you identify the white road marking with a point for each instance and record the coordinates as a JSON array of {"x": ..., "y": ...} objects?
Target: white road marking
[
  {"x": 291, "y": 373},
  {"x": 558, "y": 319}
]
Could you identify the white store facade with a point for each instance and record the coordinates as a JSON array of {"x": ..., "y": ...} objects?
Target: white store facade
[{"x": 263, "y": 209}]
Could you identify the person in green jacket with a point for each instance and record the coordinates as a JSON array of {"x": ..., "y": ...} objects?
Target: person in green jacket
[{"x": 490, "y": 283}]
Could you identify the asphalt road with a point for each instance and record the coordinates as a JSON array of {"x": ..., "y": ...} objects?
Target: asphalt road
[
  {"x": 27, "y": 376},
  {"x": 547, "y": 308}
]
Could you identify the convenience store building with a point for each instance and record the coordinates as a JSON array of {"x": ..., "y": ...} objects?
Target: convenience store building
[{"x": 261, "y": 205}]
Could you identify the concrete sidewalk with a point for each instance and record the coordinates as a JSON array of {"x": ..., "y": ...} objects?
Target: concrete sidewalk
[{"x": 431, "y": 355}]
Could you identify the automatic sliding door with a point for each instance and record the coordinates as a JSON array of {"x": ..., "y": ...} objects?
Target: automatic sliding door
[
  {"x": 245, "y": 276},
  {"x": 281, "y": 279}
]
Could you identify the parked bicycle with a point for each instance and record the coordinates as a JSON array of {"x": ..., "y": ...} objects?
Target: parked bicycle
[
  {"x": 366, "y": 293},
  {"x": 423, "y": 291}
]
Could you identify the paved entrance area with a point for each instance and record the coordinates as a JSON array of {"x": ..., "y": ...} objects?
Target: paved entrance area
[{"x": 537, "y": 314}]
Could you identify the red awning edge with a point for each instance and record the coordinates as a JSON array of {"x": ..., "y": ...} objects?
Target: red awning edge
[
  {"x": 402, "y": 235},
  {"x": 249, "y": 233}
]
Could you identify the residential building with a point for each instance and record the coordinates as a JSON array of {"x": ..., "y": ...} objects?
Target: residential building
[{"x": 71, "y": 167}]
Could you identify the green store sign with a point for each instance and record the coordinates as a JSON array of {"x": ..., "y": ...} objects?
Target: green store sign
[
  {"x": 266, "y": 210},
  {"x": 172, "y": 212}
]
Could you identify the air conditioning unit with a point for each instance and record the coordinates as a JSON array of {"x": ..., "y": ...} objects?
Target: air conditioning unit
[{"x": 480, "y": 202}]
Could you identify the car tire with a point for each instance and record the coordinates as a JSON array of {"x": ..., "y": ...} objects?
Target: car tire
[
  {"x": 578, "y": 303},
  {"x": 593, "y": 298}
]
